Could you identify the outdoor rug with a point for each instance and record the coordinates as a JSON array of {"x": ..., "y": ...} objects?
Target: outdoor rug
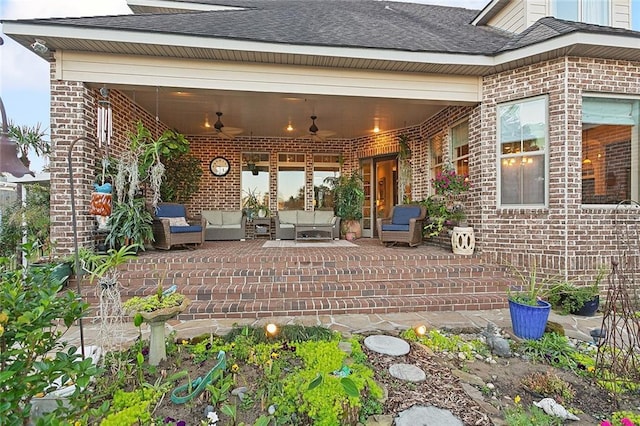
[{"x": 293, "y": 243}]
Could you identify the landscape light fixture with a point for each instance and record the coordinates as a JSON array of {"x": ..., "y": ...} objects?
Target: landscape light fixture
[
  {"x": 420, "y": 330},
  {"x": 9, "y": 162},
  {"x": 271, "y": 329}
]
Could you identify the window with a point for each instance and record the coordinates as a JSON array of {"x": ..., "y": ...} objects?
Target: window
[
  {"x": 589, "y": 11},
  {"x": 291, "y": 181},
  {"x": 255, "y": 176},
  {"x": 522, "y": 147},
  {"x": 460, "y": 148},
  {"x": 635, "y": 15},
  {"x": 437, "y": 157},
  {"x": 324, "y": 166},
  {"x": 610, "y": 144}
]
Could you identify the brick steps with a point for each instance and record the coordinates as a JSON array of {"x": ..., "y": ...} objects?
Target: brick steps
[{"x": 253, "y": 286}]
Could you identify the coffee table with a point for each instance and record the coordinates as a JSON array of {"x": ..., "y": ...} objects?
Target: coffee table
[{"x": 305, "y": 232}]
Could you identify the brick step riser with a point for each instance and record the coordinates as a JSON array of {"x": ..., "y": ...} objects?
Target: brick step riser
[
  {"x": 266, "y": 309},
  {"x": 288, "y": 291},
  {"x": 279, "y": 264}
]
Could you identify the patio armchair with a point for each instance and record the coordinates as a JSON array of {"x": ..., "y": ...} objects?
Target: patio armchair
[
  {"x": 404, "y": 225},
  {"x": 171, "y": 227}
]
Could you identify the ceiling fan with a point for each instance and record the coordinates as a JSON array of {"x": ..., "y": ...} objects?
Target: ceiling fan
[
  {"x": 317, "y": 134},
  {"x": 220, "y": 130}
]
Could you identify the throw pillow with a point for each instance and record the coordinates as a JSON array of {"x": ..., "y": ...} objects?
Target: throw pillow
[{"x": 176, "y": 221}]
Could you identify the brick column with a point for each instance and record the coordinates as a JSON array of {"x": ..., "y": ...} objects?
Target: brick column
[{"x": 72, "y": 116}]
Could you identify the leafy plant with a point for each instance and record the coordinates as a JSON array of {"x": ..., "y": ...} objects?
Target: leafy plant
[
  {"x": 32, "y": 219},
  {"x": 349, "y": 195},
  {"x": 548, "y": 384},
  {"x": 519, "y": 416},
  {"x": 532, "y": 287},
  {"x": 33, "y": 318},
  {"x": 181, "y": 179},
  {"x": 569, "y": 298},
  {"x": 552, "y": 349},
  {"x": 153, "y": 302},
  {"x": 130, "y": 224},
  {"x": 448, "y": 182}
]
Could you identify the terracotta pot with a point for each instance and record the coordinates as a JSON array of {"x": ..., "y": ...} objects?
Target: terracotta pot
[{"x": 352, "y": 226}]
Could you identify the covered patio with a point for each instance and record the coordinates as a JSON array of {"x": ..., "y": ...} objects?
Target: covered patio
[{"x": 243, "y": 279}]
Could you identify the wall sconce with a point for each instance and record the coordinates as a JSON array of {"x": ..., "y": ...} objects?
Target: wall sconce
[{"x": 40, "y": 46}]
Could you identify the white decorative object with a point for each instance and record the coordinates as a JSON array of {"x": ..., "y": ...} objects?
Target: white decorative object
[
  {"x": 463, "y": 240},
  {"x": 552, "y": 408}
]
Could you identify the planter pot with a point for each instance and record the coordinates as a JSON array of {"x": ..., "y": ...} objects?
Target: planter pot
[
  {"x": 589, "y": 308},
  {"x": 529, "y": 322},
  {"x": 352, "y": 226}
]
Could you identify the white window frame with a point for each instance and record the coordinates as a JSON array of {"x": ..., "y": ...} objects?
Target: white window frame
[
  {"x": 317, "y": 164},
  {"x": 500, "y": 156},
  {"x": 452, "y": 148},
  {"x": 581, "y": 14},
  {"x": 260, "y": 163},
  {"x": 302, "y": 164},
  {"x": 432, "y": 161}
]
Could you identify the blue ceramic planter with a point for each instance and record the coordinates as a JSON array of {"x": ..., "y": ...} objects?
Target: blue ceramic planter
[{"x": 529, "y": 322}]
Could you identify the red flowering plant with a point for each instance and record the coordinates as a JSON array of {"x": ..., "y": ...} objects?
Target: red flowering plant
[{"x": 448, "y": 182}]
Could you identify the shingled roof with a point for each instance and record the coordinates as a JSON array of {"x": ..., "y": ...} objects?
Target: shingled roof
[{"x": 338, "y": 23}]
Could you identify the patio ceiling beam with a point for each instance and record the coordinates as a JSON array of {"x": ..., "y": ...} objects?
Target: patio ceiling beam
[{"x": 199, "y": 74}]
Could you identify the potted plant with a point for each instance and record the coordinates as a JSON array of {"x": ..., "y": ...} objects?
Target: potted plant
[
  {"x": 349, "y": 198},
  {"x": 578, "y": 300},
  {"x": 529, "y": 313},
  {"x": 254, "y": 204}
]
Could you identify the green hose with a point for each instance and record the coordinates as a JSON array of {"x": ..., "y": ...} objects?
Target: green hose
[{"x": 199, "y": 384}]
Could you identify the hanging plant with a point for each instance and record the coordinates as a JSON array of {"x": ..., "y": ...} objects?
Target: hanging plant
[{"x": 404, "y": 168}]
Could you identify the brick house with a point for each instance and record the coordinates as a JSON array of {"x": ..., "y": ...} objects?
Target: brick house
[{"x": 538, "y": 101}]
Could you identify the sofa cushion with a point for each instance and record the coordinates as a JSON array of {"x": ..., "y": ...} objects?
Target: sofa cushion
[
  {"x": 324, "y": 216},
  {"x": 171, "y": 210},
  {"x": 213, "y": 217},
  {"x": 288, "y": 216},
  {"x": 403, "y": 214},
  {"x": 231, "y": 217},
  {"x": 183, "y": 229},
  {"x": 394, "y": 227},
  {"x": 305, "y": 217}
]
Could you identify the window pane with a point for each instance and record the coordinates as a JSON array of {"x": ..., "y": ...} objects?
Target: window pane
[
  {"x": 595, "y": 12},
  {"x": 291, "y": 181},
  {"x": 522, "y": 132},
  {"x": 566, "y": 9},
  {"x": 255, "y": 177},
  {"x": 324, "y": 166},
  {"x": 460, "y": 144},
  {"x": 610, "y": 138}
]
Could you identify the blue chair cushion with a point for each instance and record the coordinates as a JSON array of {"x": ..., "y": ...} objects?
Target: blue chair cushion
[
  {"x": 182, "y": 229},
  {"x": 171, "y": 210},
  {"x": 403, "y": 214},
  {"x": 394, "y": 227}
]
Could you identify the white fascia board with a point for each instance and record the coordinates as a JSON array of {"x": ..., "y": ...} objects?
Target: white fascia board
[
  {"x": 168, "y": 4},
  {"x": 573, "y": 39},
  {"x": 142, "y": 37},
  {"x": 480, "y": 18}
]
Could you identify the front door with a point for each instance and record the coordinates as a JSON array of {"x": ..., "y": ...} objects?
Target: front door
[{"x": 380, "y": 176}]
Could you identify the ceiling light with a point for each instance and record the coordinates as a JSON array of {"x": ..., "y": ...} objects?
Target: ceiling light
[
  {"x": 290, "y": 128},
  {"x": 206, "y": 121},
  {"x": 376, "y": 129}
]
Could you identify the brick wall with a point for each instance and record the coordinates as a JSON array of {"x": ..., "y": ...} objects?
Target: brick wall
[
  {"x": 73, "y": 115},
  {"x": 566, "y": 235}
]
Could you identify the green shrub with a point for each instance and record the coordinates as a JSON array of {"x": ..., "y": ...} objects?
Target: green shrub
[{"x": 34, "y": 314}]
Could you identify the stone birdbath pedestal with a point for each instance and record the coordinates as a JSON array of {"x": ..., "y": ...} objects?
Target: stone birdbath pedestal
[
  {"x": 156, "y": 310},
  {"x": 156, "y": 320}
]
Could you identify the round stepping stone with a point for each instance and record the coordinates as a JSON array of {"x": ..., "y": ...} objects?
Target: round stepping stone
[
  {"x": 419, "y": 415},
  {"x": 407, "y": 372},
  {"x": 387, "y": 345}
]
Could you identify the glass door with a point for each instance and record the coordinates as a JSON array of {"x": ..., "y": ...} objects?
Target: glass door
[{"x": 380, "y": 177}]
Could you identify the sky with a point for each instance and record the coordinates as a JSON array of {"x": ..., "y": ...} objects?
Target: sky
[{"x": 24, "y": 76}]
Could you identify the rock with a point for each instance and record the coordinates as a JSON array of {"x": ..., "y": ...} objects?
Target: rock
[
  {"x": 387, "y": 345},
  {"x": 419, "y": 415},
  {"x": 465, "y": 377},
  {"x": 272, "y": 409},
  {"x": 498, "y": 345},
  {"x": 552, "y": 408},
  {"x": 379, "y": 420},
  {"x": 407, "y": 372},
  {"x": 237, "y": 391},
  {"x": 345, "y": 347},
  {"x": 554, "y": 327},
  {"x": 490, "y": 386},
  {"x": 462, "y": 356}
]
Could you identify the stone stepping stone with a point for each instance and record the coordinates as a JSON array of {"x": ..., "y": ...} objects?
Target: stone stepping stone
[
  {"x": 387, "y": 345},
  {"x": 407, "y": 372},
  {"x": 419, "y": 415}
]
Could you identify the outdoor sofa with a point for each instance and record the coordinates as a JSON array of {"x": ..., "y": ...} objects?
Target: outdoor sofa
[
  {"x": 224, "y": 225},
  {"x": 286, "y": 221}
]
